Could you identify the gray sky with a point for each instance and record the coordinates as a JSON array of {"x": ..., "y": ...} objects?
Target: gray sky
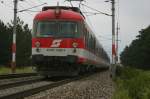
[{"x": 132, "y": 15}]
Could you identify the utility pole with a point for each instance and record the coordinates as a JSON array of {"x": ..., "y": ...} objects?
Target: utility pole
[
  {"x": 113, "y": 66},
  {"x": 117, "y": 40},
  {"x": 113, "y": 33},
  {"x": 13, "y": 64}
]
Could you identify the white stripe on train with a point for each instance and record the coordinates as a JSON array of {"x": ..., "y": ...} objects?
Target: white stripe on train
[{"x": 68, "y": 51}]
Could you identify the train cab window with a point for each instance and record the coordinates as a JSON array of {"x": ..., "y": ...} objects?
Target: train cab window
[
  {"x": 46, "y": 28},
  {"x": 68, "y": 29},
  {"x": 57, "y": 28}
]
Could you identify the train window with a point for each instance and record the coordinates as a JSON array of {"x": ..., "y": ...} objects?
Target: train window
[
  {"x": 94, "y": 44},
  {"x": 87, "y": 39},
  {"x": 57, "y": 28},
  {"x": 68, "y": 28},
  {"x": 91, "y": 43},
  {"x": 46, "y": 28}
]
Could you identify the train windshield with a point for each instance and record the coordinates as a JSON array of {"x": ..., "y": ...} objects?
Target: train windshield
[{"x": 57, "y": 29}]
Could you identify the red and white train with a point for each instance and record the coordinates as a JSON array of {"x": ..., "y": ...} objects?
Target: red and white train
[{"x": 63, "y": 44}]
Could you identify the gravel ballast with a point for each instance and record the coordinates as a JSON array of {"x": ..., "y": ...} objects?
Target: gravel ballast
[{"x": 97, "y": 86}]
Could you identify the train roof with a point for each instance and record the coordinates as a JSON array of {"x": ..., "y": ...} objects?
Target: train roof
[
  {"x": 49, "y": 12},
  {"x": 75, "y": 9}
]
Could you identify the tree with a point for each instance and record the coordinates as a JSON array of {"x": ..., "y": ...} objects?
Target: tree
[
  {"x": 5, "y": 44},
  {"x": 138, "y": 52}
]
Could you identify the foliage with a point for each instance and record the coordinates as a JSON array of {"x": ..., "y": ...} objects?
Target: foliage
[
  {"x": 23, "y": 43},
  {"x": 5, "y": 43},
  {"x": 132, "y": 84},
  {"x": 137, "y": 54},
  {"x": 7, "y": 70}
]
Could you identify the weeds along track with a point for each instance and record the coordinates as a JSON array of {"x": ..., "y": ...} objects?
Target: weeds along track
[{"x": 26, "y": 87}]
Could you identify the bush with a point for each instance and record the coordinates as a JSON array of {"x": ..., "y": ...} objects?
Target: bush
[{"x": 132, "y": 83}]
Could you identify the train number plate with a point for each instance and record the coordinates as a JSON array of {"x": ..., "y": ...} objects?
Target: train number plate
[{"x": 56, "y": 50}]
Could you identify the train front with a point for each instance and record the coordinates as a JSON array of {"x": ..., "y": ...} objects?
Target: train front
[{"x": 55, "y": 42}]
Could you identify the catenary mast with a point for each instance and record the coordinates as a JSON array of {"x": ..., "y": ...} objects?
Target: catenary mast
[
  {"x": 13, "y": 64},
  {"x": 113, "y": 33}
]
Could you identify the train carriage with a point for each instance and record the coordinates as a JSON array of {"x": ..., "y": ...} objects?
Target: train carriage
[{"x": 63, "y": 44}]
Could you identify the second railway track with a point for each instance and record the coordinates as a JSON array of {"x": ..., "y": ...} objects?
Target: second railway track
[
  {"x": 14, "y": 82},
  {"x": 23, "y": 89},
  {"x": 18, "y": 75}
]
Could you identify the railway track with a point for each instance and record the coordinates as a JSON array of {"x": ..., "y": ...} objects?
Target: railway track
[
  {"x": 14, "y": 82},
  {"x": 10, "y": 76},
  {"x": 21, "y": 89}
]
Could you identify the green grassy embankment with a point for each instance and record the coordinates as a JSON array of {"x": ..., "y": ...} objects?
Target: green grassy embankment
[
  {"x": 132, "y": 84},
  {"x": 6, "y": 70}
]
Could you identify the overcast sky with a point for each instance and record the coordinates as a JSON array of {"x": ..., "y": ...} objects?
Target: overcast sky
[{"x": 132, "y": 16}]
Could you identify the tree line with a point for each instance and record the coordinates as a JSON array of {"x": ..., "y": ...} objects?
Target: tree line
[
  {"x": 23, "y": 43},
  {"x": 137, "y": 54}
]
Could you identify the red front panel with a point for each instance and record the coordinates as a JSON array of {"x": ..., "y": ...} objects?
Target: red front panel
[
  {"x": 65, "y": 14},
  {"x": 49, "y": 42}
]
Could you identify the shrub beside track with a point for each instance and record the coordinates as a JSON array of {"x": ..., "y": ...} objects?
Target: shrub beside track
[{"x": 132, "y": 83}]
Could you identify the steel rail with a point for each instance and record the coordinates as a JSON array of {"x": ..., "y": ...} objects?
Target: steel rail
[
  {"x": 26, "y": 93},
  {"x": 8, "y": 76},
  {"x": 20, "y": 83}
]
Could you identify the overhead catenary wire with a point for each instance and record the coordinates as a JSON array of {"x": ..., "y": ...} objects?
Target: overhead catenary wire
[
  {"x": 113, "y": 25},
  {"x": 24, "y": 8},
  {"x": 90, "y": 23},
  {"x": 96, "y": 10},
  {"x": 32, "y": 11},
  {"x": 31, "y": 3},
  {"x": 32, "y": 7},
  {"x": 103, "y": 37},
  {"x": 4, "y": 3},
  {"x": 91, "y": 13},
  {"x": 25, "y": 12}
]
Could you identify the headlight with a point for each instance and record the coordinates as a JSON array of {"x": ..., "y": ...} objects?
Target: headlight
[
  {"x": 37, "y": 44},
  {"x": 75, "y": 44}
]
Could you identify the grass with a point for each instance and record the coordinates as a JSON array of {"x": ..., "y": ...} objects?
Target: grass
[
  {"x": 132, "y": 84},
  {"x": 7, "y": 70}
]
